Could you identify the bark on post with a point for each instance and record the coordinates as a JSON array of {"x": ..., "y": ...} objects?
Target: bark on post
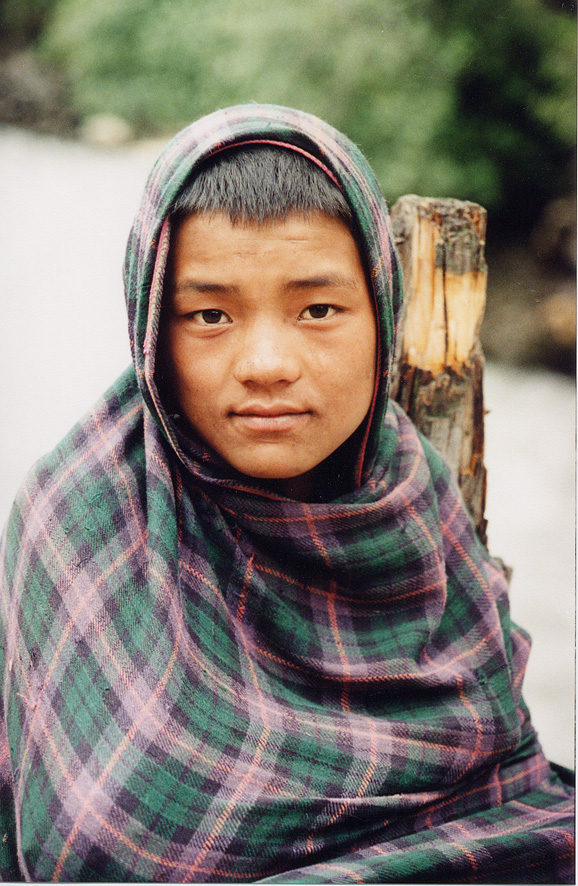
[{"x": 438, "y": 372}]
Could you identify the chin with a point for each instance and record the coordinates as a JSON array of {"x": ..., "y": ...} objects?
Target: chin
[
  {"x": 263, "y": 473},
  {"x": 269, "y": 464},
  {"x": 277, "y": 469},
  {"x": 297, "y": 484}
]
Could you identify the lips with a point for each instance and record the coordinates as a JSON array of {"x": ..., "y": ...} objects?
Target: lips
[
  {"x": 268, "y": 410},
  {"x": 269, "y": 417}
]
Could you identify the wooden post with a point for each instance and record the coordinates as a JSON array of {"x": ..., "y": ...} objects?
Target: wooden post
[{"x": 438, "y": 372}]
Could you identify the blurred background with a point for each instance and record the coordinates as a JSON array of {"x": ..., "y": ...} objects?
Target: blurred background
[{"x": 447, "y": 98}]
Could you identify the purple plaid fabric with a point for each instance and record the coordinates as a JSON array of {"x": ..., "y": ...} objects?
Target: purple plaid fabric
[{"x": 206, "y": 682}]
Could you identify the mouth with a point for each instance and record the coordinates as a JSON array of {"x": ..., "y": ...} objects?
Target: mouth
[{"x": 273, "y": 417}]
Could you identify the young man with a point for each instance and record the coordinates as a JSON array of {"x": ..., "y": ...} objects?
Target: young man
[{"x": 248, "y": 631}]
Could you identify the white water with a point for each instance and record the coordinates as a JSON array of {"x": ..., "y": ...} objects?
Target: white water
[{"x": 65, "y": 213}]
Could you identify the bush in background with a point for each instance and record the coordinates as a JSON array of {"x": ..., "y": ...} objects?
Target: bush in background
[
  {"x": 22, "y": 22},
  {"x": 464, "y": 98}
]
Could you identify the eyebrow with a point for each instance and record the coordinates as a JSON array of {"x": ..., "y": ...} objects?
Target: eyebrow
[
  {"x": 200, "y": 286},
  {"x": 319, "y": 282},
  {"x": 326, "y": 280}
]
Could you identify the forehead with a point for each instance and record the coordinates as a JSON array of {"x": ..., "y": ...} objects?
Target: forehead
[{"x": 212, "y": 243}]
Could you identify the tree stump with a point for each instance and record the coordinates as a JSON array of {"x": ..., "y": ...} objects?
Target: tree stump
[{"x": 438, "y": 371}]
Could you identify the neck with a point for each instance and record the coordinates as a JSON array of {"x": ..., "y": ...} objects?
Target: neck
[
  {"x": 329, "y": 480},
  {"x": 301, "y": 488}
]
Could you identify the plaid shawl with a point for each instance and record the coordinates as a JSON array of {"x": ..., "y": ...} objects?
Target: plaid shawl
[{"x": 203, "y": 681}]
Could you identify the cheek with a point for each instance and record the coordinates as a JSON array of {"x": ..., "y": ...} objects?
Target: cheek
[
  {"x": 181, "y": 373},
  {"x": 197, "y": 387},
  {"x": 356, "y": 364},
  {"x": 348, "y": 380},
  {"x": 191, "y": 370}
]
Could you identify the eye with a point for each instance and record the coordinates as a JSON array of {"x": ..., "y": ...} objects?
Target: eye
[
  {"x": 318, "y": 312},
  {"x": 210, "y": 317}
]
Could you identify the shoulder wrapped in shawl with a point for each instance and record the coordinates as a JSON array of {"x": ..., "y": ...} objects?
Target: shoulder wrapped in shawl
[{"x": 204, "y": 681}]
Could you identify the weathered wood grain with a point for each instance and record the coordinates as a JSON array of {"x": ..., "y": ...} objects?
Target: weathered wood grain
[{"x": 438, "y": 372}]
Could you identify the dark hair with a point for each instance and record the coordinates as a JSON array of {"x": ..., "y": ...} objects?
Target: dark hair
[{"x": 260, "y": 183}]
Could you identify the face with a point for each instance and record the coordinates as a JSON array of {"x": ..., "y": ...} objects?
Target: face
[{"x": 271, "y": 339}]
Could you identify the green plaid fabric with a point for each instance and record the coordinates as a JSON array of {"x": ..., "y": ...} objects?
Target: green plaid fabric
[{"x": 206, "y": 682}]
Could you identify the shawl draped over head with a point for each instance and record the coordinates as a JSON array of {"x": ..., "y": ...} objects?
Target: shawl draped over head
[{"x": 203, "y": 680}]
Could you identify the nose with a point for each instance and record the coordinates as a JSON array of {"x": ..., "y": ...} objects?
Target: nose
[{"x": 267, "y": 356}]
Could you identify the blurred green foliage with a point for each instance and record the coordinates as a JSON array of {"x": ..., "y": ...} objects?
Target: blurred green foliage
[
  {"x": 22, "y": 21},
  {"x": 466, "y": 98}
]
